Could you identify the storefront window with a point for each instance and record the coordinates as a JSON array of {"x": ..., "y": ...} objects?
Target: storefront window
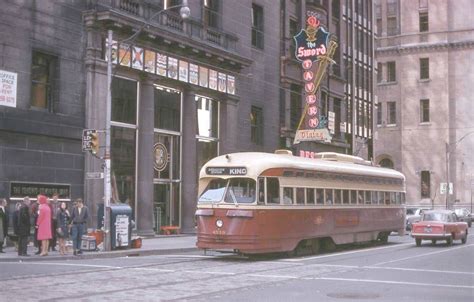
[
  {"x": 207, "y": 111},
  {"x": 167, "y": 109},
  {"x": 124, "y": 101},
  {"x": 123, "y": 165},
  {"x": 166, "y": 156}
]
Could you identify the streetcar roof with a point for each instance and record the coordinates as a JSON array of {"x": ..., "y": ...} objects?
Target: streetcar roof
[{"x": 258, "y": 162}]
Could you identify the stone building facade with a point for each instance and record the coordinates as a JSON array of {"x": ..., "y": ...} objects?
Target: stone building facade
[{"x": 424, "y": 54}]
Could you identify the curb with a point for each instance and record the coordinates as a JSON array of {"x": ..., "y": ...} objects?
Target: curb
[{"x": 98, "y": 255}]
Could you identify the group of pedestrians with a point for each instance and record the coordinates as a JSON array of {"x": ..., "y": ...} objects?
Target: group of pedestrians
[{"x": 52, "y": 222}]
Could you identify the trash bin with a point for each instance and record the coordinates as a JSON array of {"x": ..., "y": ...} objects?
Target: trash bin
[{"x": 120, "y": 226}]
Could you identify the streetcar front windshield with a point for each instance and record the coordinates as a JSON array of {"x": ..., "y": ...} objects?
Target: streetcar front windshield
[
  {"x": 236, "y": 190},
  {"x": 214, "y": 191}
]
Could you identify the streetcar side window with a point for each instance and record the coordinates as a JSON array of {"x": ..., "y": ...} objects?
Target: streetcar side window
[
  {"x": 261, "y": 190},
  {"x": 403, "y": 198},
  {"x": 397, "y": 198},
  {"x": 309, "y": 196},
  {"x": 320, "y": 196},
  {"x": 287, "y": 196},
  {"x": 345, "y": 196},
  {"x": 360, "y": 197},
  {"x": 337, "y": 197},
  {"x": 273, "y": 190},
  {"x": 353, "y": 197},
  {"x": 375, "y": 199},
  {"x": 367, "y": 197},
  {"x": 300, "y": 195},
  {"x": 328, "y": 195},
  {"x": 392, "y": 198},
  {"x": 387, "y": 198}
]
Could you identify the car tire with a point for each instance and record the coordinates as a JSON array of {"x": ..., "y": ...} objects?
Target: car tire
[
  {"x": 464, "y": 239},
  {"x": 418, "y": 242},
  {"x": 433, "y": 241},
  {"x": 449, "y": 241},
  {"x": 469, "y": 224}
]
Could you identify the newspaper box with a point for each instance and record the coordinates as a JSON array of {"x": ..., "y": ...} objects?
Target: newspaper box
[{"x": 120, "y": 226}]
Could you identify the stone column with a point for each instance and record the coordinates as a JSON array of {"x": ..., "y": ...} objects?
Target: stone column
[
  {"x": 145, "y": 139},
  {"x": 189, "y": 163}
]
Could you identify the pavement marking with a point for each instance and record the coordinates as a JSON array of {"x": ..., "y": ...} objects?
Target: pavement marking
[
  {"x": 67, "y": 264},
  {"x": 423, "y": 255},
  {"x": 346, "y": 253},
  {"x": 418, "y": 270},
  {"x": 395, "y": 282},
  {"x": 152, "y": 269},
  {"x": 272, "y": 276},
  {"x": 210, "y": 273}
]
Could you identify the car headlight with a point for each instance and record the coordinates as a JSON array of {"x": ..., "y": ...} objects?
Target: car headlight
[{"x": 219, "y": 223}]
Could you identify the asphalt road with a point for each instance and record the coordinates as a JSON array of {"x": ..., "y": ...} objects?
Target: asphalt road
[{"x": 398, "y": 271}]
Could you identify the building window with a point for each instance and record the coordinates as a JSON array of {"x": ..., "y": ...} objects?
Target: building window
[
  {"x": 391, "y": 72},
  {"x": 211, "y": 13},
  {"x": 167, "y": 109},
  {"x": 424, "y": 68},
  {"x": 392, "y": 26},
  {"x": 335, "y": 8},
  {"x": 424, "y": 111},
  {"x": 257, "y": 26},
  {"x": 392, "y": 113},
  {"x": 293, "y": 32},
  {"x": 43, "y": 75},
  {"x": 425, "y": 184},
  {"x": 295, "y": 106},
  {"x": 424, "y": 27},
  {"x": 256, "y": 125},
  {"x": 386, "y": 163},
  {"x": 124, "y": 101},
  {"x": 337, "y": 116},
  {"x": 379, "y": 73},
  {"x": 379, "y": 114}
]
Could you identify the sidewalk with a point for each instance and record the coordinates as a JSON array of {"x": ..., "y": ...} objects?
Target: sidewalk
[{"x": 159, "y": 245}]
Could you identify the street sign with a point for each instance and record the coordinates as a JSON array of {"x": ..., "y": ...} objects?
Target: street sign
[
  {"x": 442, "y": 188},
  {"x": 451, "y": 188},
  {"x": 94, "y": 175},
  {"x": 87, "y": 139}
]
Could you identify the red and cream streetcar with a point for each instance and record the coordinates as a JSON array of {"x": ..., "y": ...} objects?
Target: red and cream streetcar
[{"x": 263, "y": 203}]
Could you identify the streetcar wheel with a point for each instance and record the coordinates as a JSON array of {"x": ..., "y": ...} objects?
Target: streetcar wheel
[
  {"x": 449, "y": 241},
  {"x": 328, "y": 245},
  {"x": 433, "y": 241},
  {"x": 315, "y": 246},
  {"x": 418, "y": 242},
  {"x": 383, "y": 237}
]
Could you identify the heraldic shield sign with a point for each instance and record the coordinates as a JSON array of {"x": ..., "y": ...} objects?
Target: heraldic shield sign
[{"x": 311, "y": 42}]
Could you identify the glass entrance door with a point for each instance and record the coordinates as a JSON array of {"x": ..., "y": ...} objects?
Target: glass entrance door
[{"x": 166, "y": 205}]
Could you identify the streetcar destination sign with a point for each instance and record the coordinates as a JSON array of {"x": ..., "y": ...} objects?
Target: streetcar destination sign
[{"x": 226, "y": 170}]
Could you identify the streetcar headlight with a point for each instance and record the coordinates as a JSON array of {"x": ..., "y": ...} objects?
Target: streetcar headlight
[{"x": 219, "y": 223}]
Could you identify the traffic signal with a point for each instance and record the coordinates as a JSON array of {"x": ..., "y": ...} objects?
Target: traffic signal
[{"x": 94, "y": 142}]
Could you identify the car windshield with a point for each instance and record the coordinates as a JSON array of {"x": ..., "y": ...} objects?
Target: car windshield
[
  {"x": 214, "y": 191},
  {"x": 239, "y": 190},
  {"x": 435, "y": 217},
  {"x": 459, "y": 212}
]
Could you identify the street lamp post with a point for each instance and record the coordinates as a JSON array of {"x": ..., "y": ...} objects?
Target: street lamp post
[{"x": 184, "y": 13}]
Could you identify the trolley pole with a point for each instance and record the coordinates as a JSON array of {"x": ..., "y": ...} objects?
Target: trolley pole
[{"x": 107, "y": 186}]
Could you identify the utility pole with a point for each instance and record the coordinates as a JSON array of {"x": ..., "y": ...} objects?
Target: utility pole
[
  {"x": 107, "y": 183},
  {"x": 447, "y": 175}
]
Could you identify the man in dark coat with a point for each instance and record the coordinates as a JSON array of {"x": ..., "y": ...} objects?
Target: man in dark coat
[
  {"x": 3, "y": 222},
  {"x": 23, "y": 227}
]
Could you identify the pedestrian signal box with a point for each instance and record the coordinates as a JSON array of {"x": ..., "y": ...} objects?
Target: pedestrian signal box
[{"x": 95, "y": 143}]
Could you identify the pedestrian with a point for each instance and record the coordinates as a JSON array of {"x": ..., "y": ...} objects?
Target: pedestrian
[
  {"x": 23, "y": 225},
  {"x": 34, "y": 219},
  {"x": 43, "y": 224},
  {"x": 79, "y": 216},
  {"x": 62, "y": 230},
  {"x": 3, "y": 222},
  {"x": 54, "y": 205}
]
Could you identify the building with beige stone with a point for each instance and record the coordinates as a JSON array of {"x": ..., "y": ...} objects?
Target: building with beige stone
[{"x": 425, "y": 113}]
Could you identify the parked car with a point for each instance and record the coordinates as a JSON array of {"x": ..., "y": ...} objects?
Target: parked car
[
  {"x": 464, "y": 215},
  {"x": 439, "y": 225},
  {"x": 413, "y": 215}
]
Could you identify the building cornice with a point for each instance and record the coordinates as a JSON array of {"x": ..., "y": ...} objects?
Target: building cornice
[{"x": 425, "y": 47}]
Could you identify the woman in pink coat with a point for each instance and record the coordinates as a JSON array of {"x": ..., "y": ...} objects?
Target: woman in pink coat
[{"x": 44, "y": 224}]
